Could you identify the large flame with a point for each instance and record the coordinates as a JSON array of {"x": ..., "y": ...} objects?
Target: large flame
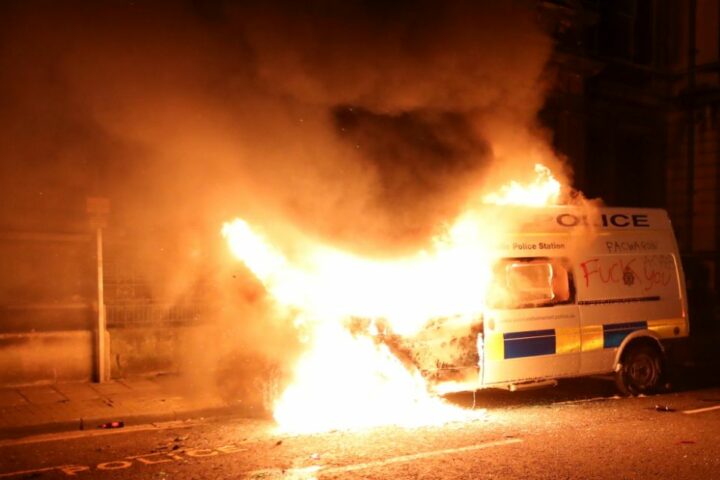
[
  {"x": 346, "y": 379},
  {"x": 329, "y": 284}
]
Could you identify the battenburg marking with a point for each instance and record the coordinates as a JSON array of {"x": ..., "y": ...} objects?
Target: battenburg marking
[
  {"x": 615, "y": 333},
  {"x": 529, "y": 344}
]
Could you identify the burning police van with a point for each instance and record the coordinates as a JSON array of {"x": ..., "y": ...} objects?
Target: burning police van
[{"x": 574, "y": 292}]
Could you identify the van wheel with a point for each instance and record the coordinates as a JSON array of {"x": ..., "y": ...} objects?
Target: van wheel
[{"x": 641, "y": 370}]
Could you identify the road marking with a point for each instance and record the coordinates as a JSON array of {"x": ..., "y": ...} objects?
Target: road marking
[
  {"x": 319, "y": 469},
  {"x": 52, "y": 437},
  {"x": 27, "y": 472},
  {"x": 420, "y": 456},
  {"x": 701, "y": 410},
  {"x": 588, "y": 400},
  {"x": 151, "y": 458}
]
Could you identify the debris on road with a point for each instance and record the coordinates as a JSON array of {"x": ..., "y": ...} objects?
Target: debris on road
[
  {"x": 664, "y": 408},
  {"x": 117, "y": 424}
]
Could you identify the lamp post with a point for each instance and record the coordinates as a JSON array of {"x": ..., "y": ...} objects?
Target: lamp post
[{"x": 98, "y": 209}]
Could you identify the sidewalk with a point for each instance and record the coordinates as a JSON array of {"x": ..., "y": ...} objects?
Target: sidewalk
[{"x": 84, "y": 406}]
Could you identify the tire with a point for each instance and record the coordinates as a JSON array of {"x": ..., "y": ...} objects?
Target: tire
[{"x": 641, "y": 370}]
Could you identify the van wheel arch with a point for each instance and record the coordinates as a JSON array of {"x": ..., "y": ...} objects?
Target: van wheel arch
[{"x": 641, "y": 369}]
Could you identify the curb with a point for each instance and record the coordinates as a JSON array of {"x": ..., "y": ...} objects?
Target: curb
[{"x": 91, "y": 423}]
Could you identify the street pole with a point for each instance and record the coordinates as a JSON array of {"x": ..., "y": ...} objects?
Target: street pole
[
  {"x": 98, "y": 208},
  {"x": 101, "y": 366}
]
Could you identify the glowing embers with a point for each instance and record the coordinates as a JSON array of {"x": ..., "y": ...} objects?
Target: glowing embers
[{"x": 542, "y": 191}]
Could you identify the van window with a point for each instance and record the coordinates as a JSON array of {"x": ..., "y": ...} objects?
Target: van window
[{"x": 534, "y": 282}]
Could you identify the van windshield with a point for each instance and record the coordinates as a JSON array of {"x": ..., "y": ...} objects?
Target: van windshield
[{"x": 523, "y": 283}]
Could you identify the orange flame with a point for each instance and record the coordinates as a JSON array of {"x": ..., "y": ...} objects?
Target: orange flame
[
  {"x": 544, "y": 190},
  {"x": 348, "y": 381},
  {"x": 351, "y": 382}
]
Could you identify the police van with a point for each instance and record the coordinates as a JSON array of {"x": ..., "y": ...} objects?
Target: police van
[{"x": 574, "y": 292}]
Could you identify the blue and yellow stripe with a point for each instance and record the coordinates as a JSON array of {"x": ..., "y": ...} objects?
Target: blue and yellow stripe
[
  {"x": 558, "y": 341},
  {"x": 615, "y": 333}
]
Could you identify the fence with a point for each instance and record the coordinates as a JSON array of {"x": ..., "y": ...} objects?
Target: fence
[{"x": 48, "y": 310}]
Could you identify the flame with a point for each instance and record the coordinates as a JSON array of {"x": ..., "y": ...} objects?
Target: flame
[
  {"x": 332, "y": 284},
  {"x": 544, "y": 190},
  {"x": 349, "y": 380}
]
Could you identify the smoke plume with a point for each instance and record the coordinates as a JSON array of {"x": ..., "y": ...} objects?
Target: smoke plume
[{"x": 364, "y": 123}]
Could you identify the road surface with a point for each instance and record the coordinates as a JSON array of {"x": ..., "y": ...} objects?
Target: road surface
[{"x": 576, "y": 430}]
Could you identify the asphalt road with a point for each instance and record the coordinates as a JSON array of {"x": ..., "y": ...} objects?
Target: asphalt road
[{"x": 576, "y": 430}]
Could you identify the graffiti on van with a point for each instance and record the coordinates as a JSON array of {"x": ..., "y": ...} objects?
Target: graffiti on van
[
  {"x": 658, "y": 270},
  {"x": 649, "y": 271}
]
